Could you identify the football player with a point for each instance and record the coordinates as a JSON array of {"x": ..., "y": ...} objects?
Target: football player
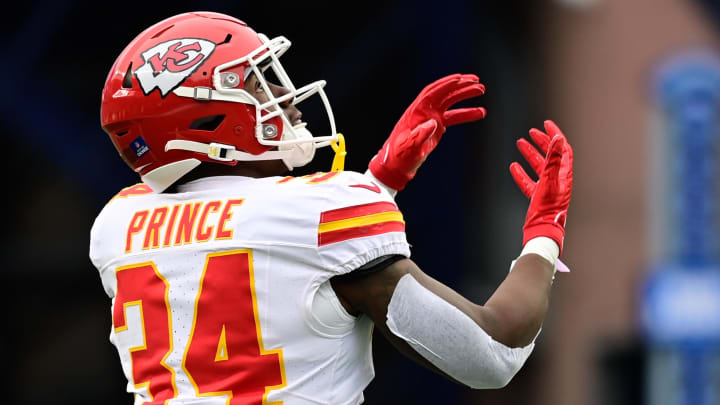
[{"x": 233, "y": 283}]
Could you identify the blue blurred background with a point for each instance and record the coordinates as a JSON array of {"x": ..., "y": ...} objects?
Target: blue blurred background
[{"x": 590, "y": 65}]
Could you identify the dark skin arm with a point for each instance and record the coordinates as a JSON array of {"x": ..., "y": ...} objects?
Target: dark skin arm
[{"x": 512, "y": 316}]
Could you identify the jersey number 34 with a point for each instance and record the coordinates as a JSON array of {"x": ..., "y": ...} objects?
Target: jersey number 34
[{"x": 224, "y": 354}]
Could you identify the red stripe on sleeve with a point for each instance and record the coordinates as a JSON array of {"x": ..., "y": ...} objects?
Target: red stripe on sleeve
[
  {"x": 357, "y": 211},
  {"x": 340, "y": 235}
]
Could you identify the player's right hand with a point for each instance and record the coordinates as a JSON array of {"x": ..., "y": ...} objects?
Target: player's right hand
[
  {"x": 420, "y": 128},
  {"x": 550, "y": 195}
]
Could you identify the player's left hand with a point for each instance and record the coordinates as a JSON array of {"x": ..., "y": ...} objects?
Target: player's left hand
[
  {"x": 420, "y": 128},
  {"x": 550, "y": 195},
  {"x": 531, "y": 155}
]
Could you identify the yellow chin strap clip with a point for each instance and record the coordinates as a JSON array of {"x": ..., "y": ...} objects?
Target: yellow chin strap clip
[{"x": 338, "y": 163}]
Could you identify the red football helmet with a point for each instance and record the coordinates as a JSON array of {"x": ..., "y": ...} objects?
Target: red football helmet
[{"x": 175, "y": 97}]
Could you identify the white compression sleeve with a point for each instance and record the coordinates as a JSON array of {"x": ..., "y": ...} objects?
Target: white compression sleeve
[{"x": 449, "y": 339}]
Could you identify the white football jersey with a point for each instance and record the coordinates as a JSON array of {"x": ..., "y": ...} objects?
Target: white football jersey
[{"x": 220, "y": 292}]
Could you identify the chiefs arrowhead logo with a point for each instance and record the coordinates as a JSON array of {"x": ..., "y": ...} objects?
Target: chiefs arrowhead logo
[{"x": 169, "y": 63}]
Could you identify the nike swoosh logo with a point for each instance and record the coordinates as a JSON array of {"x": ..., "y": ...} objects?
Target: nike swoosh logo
[{"x": 374, "y": 187}]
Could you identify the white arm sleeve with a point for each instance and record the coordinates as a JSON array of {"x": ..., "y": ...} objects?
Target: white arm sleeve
[{"x": 449, "y": 339}]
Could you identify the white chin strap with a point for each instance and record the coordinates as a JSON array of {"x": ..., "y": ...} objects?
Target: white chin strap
[{"x": 299, "y": 152}]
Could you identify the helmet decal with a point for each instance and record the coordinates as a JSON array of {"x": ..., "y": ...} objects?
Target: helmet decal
[
  {"x": 139, "y": 146},
  {"x": 169, "y": 63}
]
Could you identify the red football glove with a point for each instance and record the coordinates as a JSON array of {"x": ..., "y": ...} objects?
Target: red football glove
[
  {"x": 421, "y": 127},
  {"x": 550, "y": 196}
]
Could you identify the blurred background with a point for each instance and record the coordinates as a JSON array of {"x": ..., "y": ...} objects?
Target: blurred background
[{"x": 631, "y": 83}]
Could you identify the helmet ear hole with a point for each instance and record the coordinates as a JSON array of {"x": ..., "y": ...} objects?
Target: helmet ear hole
[{"x": 207, "y": 123}]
